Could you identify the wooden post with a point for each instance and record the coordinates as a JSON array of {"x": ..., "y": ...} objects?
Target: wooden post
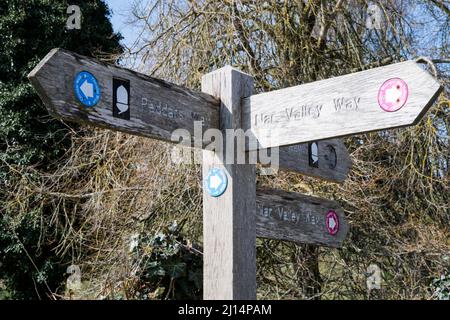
[{"x": 229, "y": 227}]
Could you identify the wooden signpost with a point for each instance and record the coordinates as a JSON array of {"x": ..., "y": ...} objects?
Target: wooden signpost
[
  {"x": 83, "y": 90},
  {"x": 298, "y": 218},
  {"x": 387, "y": 97}
]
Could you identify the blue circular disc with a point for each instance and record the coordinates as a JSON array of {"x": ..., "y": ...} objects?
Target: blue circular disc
[
  {"x": 216, "y": 182},
  {"x": 87, "y": 89}
]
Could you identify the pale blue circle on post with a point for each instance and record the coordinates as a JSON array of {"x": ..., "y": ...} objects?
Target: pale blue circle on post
[
  {"x": 87, "y": 89},
  {"x": 216, "y": 182}
]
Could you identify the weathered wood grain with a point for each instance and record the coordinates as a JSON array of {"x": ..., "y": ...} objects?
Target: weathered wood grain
[
  {"x": 157, "y": 107},
  {"x": 298, "y": 218},
  {"x": 334, "y": 161},
  {"x": 229, "y": 228},
  {"x": 337, "y": 107}
]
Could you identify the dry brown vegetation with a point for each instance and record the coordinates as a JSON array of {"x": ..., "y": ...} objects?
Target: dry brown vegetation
[{"x": 111, "y": 185}]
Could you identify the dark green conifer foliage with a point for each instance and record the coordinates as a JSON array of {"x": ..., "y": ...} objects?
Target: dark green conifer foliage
[{"x": 29, "y": 29}]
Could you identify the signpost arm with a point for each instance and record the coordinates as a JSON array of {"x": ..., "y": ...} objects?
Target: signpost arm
[
  {"x": 229, "y": 226},
  {"x": 333, "y": 161}
]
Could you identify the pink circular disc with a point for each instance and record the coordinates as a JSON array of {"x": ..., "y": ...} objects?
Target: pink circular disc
[
  {"x": 393, "y": 95},
  {"x": 332, "y": 222}
]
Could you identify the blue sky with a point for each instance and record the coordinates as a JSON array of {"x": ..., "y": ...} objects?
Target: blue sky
[{"x": 121, "y": 13}]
